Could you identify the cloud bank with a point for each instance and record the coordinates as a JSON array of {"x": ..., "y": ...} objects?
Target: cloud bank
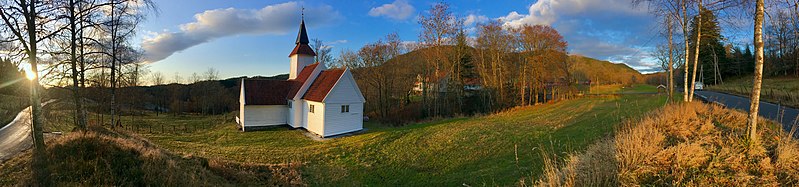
[
  {"x": 611, "y": 30},
  {"x": 218, "y": 23},
  {"x": 398, "y": 10}
]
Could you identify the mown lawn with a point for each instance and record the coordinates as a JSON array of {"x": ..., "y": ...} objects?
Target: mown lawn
[
  {"x": 498, "y": 149},
  {"x": 784, "y": 90}
]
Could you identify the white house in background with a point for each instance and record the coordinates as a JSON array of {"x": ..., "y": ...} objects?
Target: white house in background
[{"x": 323, "y": 101}]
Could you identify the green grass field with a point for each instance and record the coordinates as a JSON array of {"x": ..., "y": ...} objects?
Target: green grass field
[
  {"x": 783, "y": 90},
  {"x": 622, "y": 89},
  {"x": 498, "y": 149}
]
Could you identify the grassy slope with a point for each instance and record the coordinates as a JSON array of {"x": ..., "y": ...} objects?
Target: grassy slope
[
  {"x": 101, "y": 157},
  {"x": 479, "y": 150},
  {"x": 777, "y": 90}
]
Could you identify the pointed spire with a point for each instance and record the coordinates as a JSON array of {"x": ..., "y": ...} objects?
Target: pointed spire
[
  {"x": 302, "y": 37},
  {"x": 302, "y": 40}
]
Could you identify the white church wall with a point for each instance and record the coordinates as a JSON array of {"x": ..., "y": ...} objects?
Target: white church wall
[
  {"x": 315, "y": 120},
  {"x": 338, "y": 122},
  {"x": 290, "y": 114},
  {"x": 241, "y": 106},
  {"x": 299, "y": 61},
  {"x": 345, "y": 92},
  {"x": 265, "y": 115},
  {"x": 295, "y": 116}
]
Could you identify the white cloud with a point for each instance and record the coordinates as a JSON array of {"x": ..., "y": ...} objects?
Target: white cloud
[
  {"x": 212, "y": 24},
  {"x": 338, "y": 42},
  {"x": 398, "y": 10},
  {"x": 611, "y": 30},
  {"x": 474, "y": 19},
  {"x": 545, "y": 12}
]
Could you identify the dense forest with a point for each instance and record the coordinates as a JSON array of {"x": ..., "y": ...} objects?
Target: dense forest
[{"x": 14, "y": 90}]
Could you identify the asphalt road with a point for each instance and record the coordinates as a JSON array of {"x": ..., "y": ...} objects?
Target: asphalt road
[
  {"x": 16, "y": 136},
  {"x": 785, "y": 115}
]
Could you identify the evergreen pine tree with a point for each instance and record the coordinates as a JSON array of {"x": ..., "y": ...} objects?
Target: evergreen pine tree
[{"x": 711, "y": 50}]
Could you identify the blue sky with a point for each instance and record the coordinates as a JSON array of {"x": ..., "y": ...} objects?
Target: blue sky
[{"x": 249, "y": 37}]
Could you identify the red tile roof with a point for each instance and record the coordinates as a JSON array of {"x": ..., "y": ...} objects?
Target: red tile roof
[
  {"x": 306, "y": 72},
  {"x": 301, "y": 78},
  {"x": 267, "y": 92},
  {"x": 302, "y": 49},
  {"x": 323, "y": 84}
]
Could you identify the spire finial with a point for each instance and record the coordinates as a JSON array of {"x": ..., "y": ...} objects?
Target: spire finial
[
  {"x": 302, "y": 13},
  {"x": 302, "y": 36}
]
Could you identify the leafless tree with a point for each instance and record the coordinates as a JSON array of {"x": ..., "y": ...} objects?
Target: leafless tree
[
  {"x": 696, "y": 52},
  {"x": 348, "y": 59},
  {"x": 194, "y": 78},
  {"x": 122, "y": 17},
  {"x": 177, "y": 79},
  {"x": 438, "y": 24},
  {"x": 545, "y": 56},
  {"x": 211, "y": 74},
  {"x": 133, "y": 74},
  {"x": 493, "y": 46},
  {"x": 381, "y": 77},
  {"x": 758, "y": 77},
  {"x": 671, "y": 57},
  {"x": 323, "y": 52},
  {"x": 22, "y": 21},
  {"x": 157, "y": 78}
]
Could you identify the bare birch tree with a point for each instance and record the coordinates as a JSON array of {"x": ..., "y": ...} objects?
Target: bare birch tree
[
  {"x": 696, "y": 51},
  {"x": 24, "y": 21},
  {"x": 758, "y": 76}
]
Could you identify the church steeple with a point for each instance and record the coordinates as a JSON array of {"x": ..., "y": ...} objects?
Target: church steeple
[
  {"x": 302, "y": 40},
  {"x": 302, "y": 37},
  {"x": 302, "y": 55}
]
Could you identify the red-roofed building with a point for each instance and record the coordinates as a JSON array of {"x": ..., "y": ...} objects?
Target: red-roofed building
[{"x": 323, "y": 101}]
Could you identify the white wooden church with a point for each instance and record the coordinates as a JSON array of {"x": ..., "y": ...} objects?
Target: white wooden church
[{"x": 323, "y": 101}]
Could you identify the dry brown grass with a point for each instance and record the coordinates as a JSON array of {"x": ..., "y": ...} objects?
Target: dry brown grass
[
  {"x": 691, "y": 144},
  {"x": 100, "y": 157}
]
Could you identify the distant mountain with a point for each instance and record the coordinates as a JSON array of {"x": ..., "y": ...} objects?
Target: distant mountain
[{"x": 586, "y": 68}]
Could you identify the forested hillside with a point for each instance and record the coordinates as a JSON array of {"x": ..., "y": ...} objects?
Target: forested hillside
[
  {"x": 603, "y": 72},
  {"x": 394, "y": 86},
  {"x": 13, "y": 91}
]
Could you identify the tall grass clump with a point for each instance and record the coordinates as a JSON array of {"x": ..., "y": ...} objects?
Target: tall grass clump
[{"x": 690, "y": 144}]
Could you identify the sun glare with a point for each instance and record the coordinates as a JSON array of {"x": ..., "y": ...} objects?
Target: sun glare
[{"x": 29, "y": 74}]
